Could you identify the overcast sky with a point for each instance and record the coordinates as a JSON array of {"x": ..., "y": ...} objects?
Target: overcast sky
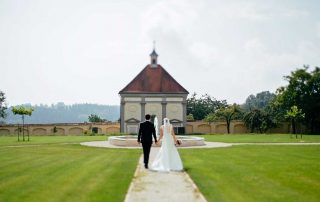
[{"x": 78, "y": 51}]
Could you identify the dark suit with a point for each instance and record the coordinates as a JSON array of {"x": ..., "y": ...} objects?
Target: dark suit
[{"x": 146, "y": 131}]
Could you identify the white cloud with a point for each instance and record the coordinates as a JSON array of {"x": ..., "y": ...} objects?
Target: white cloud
[
  {"x": 318, "y": 29},
  {"x": 170, "y": 15},
  {"x": 248, "y": 11},
  {"x": 254, "y": 46},
  {"x": 76, "y": 50},
  {"x": 206, "y": 54},
  {"x": 294, "y": 13}
]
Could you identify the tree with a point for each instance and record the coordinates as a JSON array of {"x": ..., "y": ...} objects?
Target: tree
[
  {"x": 201, "y": 107},
  {"x": 294, "y": 114},
  {"x": 252, "y": 119},
  {"x": 55, "y": 130},
  {"x": 3, "y": 106},
  {"x": 227, "y": 114},
  {"x": 190, "y": 117},
  {"x": 22, "y": 111},
  {"x": 261, "y": 114},
  {"x": 259, "y": 120},
  {"x": 302, "y": 91},
  {"x": 93, "y": 118},
  {"x": 210, "y": 118},
  {"x": 260, "y": 101}
]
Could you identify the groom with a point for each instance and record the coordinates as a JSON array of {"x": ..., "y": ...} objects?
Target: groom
[{"x": 146, "y": 131}]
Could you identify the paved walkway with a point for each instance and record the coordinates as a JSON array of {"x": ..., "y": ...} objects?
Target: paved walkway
[{"x": 148, "y": 185}]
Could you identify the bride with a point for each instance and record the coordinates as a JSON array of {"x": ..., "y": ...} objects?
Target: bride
[{"x": 168, "y": 158}]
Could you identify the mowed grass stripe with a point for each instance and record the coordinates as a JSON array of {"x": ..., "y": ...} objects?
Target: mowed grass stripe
[
  {"x": 256, "y": 173},
  {"x": 260, "y": 138},
  {"x": 35, "y": 140},
  {"x": 66, "y": 173}
]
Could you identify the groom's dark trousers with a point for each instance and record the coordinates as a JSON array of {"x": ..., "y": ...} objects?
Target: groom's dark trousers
[{"x": 146, "y": 131}]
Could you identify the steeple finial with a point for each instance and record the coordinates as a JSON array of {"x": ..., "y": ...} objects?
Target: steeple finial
[{"x": 154, "y": 56}]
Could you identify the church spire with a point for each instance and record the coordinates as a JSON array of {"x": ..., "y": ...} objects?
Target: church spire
[{"x": 154, "y": 56}]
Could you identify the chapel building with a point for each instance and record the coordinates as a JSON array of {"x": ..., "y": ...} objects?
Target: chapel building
[{"x": 153, "y": 91}]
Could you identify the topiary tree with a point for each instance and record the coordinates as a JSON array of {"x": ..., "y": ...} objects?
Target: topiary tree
[{"x": 22, "y": 111}]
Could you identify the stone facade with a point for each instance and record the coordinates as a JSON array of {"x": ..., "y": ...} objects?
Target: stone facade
[{"x": 134, "y": 107}]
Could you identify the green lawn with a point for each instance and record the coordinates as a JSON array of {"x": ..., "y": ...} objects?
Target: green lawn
[
  {"x": 241, "y": 138},
  {"x": 12, "y": 140},
  {"x": 55, "y": 172},
  {"x": 256, "y": 173},
  {"x": 46, "y": 170}
]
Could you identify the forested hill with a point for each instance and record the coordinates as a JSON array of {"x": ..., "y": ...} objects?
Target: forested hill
[{"x": 61, "y": 113}]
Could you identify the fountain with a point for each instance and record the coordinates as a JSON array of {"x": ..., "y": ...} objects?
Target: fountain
[
  {"x": 155, "y": 122},
  {"x": 131, "y": 140}
]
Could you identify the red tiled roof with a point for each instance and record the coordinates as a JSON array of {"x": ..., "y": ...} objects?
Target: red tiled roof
[{"x": 154, "y": 80}]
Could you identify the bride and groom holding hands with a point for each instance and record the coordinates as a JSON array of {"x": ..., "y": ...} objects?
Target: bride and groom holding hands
[{"x": 168, "y": 158}]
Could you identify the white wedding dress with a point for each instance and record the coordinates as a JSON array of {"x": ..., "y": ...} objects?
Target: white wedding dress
[{"x": 168, "y": 158}]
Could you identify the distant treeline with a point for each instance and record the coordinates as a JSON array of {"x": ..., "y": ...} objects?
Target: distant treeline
[{"x": 61, "y": 113}]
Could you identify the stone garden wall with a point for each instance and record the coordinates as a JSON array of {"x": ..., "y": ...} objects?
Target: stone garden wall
[
  {"x": 61, "y": 128},
  {"x": 236, "y": 127},
  {"x": 197, "y": 127}
]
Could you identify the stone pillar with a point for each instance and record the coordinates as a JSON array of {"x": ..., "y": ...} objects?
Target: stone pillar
[
  {"x": 164, "y": 109},
  {"x": 122, "y": 115},
  {"x": 143, "y": 109},
  {"x": 184, "y": 111}
]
